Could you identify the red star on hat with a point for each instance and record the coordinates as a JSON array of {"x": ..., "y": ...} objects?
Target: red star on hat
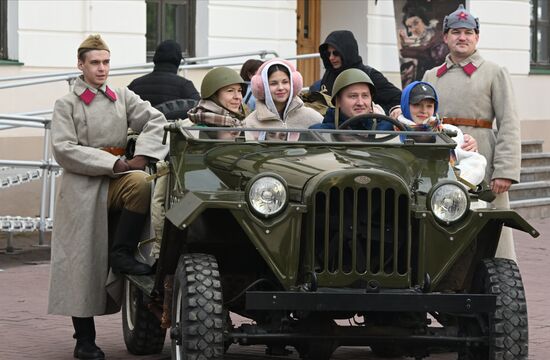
[{"x": 462, "y": 16}]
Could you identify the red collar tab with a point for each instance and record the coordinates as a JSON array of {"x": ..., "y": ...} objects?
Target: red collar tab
[
  {"x": 110, "y": 94},
  {"x": 87, "y": 96},
  {"x": 442, "y": 70},
  {"x": 469, "y": 68}
]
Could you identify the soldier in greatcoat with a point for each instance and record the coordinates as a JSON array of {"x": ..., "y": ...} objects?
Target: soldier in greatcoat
[
  {"x": 89, "y": 134},
  {"x": 475, "y": 94}
]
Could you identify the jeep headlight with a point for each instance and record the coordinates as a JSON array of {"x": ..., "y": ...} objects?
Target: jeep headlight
[
  {"x": 267, "y": 194},
  {"x": 448, "y": 201}
]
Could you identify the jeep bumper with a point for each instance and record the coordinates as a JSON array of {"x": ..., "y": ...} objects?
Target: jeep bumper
[{"x": 360, "y": 301}]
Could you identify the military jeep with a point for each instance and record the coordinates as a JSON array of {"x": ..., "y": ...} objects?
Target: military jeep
[{"x": 332, "y": 238}]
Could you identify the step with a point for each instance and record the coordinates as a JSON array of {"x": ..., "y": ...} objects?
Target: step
[
  {"x": 11, "y": 176},
  {"x": 23, "y": 224},
  {"x": 530, "y": 190},
  {"x": 535, "y": 159},
  {"x": 532, "y": 208},
  {"x": 531, "y": 146},
  {"x": 536, "y": 173}
]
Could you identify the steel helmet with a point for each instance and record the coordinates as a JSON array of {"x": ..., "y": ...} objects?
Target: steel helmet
[
  {"x": 217, "y": 78},
  {"x": 349, "y": 77}
]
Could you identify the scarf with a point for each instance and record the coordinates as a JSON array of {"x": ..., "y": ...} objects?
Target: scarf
[{"x": 209, "y": 113}]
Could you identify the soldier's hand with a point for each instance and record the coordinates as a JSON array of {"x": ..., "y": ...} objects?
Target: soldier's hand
[
  {"x": 138, "y": 162},
  {"x": 121, "y": 166},
  {"x": 470, "y": 143},
  {"x": 498, "y": 186}
]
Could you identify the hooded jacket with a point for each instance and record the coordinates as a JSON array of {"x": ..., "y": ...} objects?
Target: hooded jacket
[
  {"x": 387, "y": 95},
  {"x": 164, "y": 84}
]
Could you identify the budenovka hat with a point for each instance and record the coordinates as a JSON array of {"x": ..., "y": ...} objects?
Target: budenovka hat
[
  {"x": 460, "y": 18},
  {"x": 92, "y": 42}
]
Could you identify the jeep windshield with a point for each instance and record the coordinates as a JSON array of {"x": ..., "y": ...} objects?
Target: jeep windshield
[{"x": 350, "y": 137}]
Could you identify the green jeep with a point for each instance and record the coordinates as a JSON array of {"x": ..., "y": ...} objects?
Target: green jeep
[{"x": 335, "y": 238}]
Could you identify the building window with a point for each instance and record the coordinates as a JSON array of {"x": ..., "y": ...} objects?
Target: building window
[
  {"x": 3, "y": 29},
  {"x": 171, "y": 20},
  {"x": 540, "y": 34}
]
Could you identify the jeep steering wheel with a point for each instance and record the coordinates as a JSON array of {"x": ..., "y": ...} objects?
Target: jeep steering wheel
[{"x": 358, "y": 120}]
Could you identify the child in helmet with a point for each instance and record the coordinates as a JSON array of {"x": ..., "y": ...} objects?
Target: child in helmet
[
  {"x": 221, "y": 102},
  {"x": 419, "y": 105},
  {"x": 276, "y": 86}
]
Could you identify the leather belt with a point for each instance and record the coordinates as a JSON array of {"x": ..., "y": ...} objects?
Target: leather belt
[
  {"x": 480, "y": 123},
  {"x": 117, "y": 151}
]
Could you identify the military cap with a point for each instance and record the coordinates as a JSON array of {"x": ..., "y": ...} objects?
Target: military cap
[
  {"x": 460, "y": 18},
  {"x": 92, "y": 42}
]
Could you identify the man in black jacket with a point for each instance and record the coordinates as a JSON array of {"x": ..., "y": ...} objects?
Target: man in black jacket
[
  {"x": 340, "y": 52},
  {"x": 164, "y": 84}
]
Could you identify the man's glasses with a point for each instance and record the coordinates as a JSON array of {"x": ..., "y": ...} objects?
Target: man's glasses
[{"x": 333, "y": 53}]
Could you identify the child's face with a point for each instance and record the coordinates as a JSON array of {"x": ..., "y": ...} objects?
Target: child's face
[{"x": 422, "y": 111}]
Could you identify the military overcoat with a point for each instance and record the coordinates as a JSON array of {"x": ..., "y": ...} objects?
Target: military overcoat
[{"x": 84, "y": 121}]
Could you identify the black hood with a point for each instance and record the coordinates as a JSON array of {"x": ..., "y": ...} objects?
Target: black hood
[{"x": 345, "y": 43}]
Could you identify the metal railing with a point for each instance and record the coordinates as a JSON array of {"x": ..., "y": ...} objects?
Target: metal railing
[{"x": 47, "y": 165}]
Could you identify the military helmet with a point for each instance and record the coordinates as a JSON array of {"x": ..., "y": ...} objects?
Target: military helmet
[
  {"x": 350, "y": 77},
  {"x": 217, "y": 78}
]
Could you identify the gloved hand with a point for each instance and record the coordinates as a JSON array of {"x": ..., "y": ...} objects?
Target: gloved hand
[
  {"x": 121, "y": 166},
  {"x": 138, "y": 162}
]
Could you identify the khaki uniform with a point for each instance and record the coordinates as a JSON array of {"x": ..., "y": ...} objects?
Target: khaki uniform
[
  {"x": 79, "y": 266},
  {"x": 485, "y": 94}
]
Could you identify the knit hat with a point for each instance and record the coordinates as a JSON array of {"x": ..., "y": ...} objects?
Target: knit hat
[
  {"x": 92, "y": 42},
  {"x": 460, "y": 18},
  {"x": 168, "y": 51}
]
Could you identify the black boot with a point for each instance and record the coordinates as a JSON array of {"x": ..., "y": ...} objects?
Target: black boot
[
  {"x": 84, "y": 333},
  {"x": 125, "y": 241}
]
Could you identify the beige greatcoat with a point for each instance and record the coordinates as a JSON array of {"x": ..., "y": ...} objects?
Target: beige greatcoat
[
  {"x": 79, "y": 266},
  {"x": 486, "y": 94}
]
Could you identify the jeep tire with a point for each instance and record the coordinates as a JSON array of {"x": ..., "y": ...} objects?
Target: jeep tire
[
  {"x": 507, "y": 326},
  {"x": 143, "y": 334},
  {"x": 197, "y": 309}
]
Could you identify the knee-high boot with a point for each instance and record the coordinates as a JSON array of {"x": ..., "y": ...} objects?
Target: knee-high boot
[
  {"x": 84, "y": 333},
  {"x": 125, "y": 241}
]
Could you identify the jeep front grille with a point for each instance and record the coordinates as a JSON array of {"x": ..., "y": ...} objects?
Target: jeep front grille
[{"x": 362, "y": 231}]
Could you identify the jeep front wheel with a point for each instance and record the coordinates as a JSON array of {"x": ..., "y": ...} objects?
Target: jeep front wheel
[
  {"x": 143, "y": 334},
  {"x": 197, "y": 309},
  {"x": 507, "y": 326}
]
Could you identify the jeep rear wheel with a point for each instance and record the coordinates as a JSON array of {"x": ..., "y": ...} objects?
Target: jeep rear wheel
[
  {"x": 197, "y": 309},
  {"x": 507, "y": 326},
  {"x": 143, "y": 334}
]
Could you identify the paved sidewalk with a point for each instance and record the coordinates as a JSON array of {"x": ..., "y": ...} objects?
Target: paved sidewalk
[{"x": 27, "y": 332}]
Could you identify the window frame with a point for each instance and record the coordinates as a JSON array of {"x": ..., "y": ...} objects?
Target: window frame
[
  {"x": 535, "y": 64},
  {"x": 3, "y": 30},
  {"x": 189, "y": 28}
]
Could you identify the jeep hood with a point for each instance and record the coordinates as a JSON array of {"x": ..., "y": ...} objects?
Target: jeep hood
[{"x": 297, "y": 165}]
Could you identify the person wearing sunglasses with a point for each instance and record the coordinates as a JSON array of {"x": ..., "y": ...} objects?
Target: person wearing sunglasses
[{"x": 340, "y": 52}]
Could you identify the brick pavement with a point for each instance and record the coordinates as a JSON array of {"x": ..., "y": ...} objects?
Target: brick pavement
[{"x": 27, "y": 332}]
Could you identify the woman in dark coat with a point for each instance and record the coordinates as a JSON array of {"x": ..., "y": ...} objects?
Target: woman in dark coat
[{"x": 340, "y": 52}]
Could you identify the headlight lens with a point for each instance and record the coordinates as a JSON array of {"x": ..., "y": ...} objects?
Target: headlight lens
[
  {"x": 448, "y": 202},
  {"x": 267, "y": 195}
]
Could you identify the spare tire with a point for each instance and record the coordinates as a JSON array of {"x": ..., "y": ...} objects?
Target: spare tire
[{"x": 176, "y": 109}]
